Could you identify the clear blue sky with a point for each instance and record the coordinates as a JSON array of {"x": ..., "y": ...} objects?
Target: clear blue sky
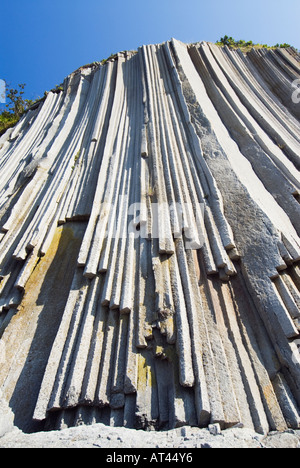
[{"x": 42, "y": 41}]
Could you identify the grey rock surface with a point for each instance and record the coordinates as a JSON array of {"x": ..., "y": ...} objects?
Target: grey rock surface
[
  {"x": 6, "y": 418},
  {"x": 150, "y": 251}
]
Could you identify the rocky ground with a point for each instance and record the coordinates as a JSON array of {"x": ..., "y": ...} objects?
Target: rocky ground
[{"x": 100, "y": 436}]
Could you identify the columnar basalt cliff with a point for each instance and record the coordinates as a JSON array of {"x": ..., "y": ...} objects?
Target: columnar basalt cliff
[{"x": 116, "y": 312}]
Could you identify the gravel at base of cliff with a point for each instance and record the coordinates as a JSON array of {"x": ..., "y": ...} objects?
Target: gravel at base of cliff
[{"x": 100, "y": 436}]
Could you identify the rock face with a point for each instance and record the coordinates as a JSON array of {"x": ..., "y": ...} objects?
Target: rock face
[
  {"x": 149, "y": 244},
  {"x": 6, "y": 418}
]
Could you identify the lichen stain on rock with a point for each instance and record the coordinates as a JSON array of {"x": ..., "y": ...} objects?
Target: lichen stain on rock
[
  {"x": 59, "y": 254},
  {"x": 36, "y": 279},
  {"x": 146, "y": 374},
  {"x": 29, "y": 336},
  {"x": 279, "y": 423}
]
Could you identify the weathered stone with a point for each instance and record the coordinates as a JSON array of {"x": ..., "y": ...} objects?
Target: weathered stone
[
  {"x": 214, "y": 429},
  {"x": 6, "y": 417},
  {"x": 282, "y": 440},
  {"x": 149, "y": 251}
]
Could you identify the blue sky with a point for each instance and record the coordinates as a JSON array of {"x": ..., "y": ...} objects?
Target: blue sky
[{"x": 42, "y": 41}]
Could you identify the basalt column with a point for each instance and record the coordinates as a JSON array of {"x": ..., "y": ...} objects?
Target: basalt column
[{"x": 149, "y": 244}]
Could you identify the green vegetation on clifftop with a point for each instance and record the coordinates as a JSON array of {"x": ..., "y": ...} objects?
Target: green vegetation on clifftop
[{"x": 247, "y": 45}]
